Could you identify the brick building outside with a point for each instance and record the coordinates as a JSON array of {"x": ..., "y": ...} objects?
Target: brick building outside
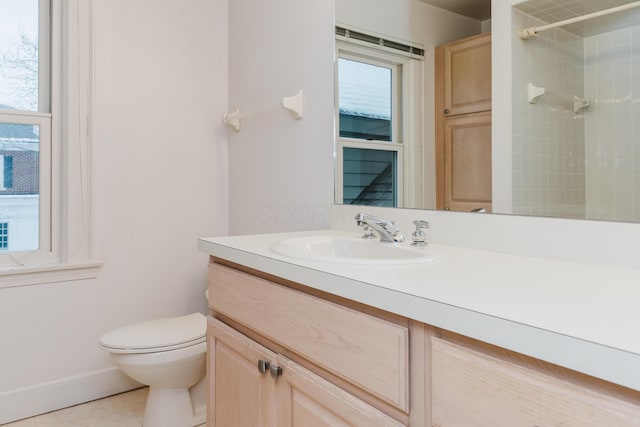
[{"x": 19, "y": 187}]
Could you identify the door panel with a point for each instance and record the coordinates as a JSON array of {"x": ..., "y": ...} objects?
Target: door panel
[
  {"x": 468, "y": 75},
  {"x": 468, "y": 162}
]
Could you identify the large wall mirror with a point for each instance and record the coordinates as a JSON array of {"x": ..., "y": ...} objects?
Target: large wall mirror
[{"x": 574, "y": 145}]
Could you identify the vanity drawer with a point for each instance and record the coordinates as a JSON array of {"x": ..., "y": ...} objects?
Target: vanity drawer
[
  {"x": 473, "y": 388},
  {"x": 367, "y": 351}
]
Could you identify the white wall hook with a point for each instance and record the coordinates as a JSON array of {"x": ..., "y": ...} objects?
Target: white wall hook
[
  {"x": 294, "y": 104},
  {"x": 533, "y": 93},
  {"x": 232, "y": 119},
  {"x": 579, "y": 103}
]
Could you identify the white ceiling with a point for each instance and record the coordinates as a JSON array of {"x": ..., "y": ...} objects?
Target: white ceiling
[{"x": 476, "y": 9}]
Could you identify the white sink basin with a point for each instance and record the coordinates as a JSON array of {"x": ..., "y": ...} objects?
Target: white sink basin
[{"x": 352, "y": 250}]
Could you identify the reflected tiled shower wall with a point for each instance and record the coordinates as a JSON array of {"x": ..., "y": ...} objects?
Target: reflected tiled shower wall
[
  {"x": 612, "y": 128},
  {"x": 580, "y": 164},
  {"x": 548, "y": 137}
]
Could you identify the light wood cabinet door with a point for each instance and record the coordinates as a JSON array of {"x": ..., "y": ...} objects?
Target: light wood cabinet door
[
  {"x": 332, "y": 336},
  {"x": 471, "y": 388},
  {"x": 467, "y": 75},
  {"x": 307, "y": 400},
  {"x": 467, "y": 153},
  {"x": 239, "y": 394}
]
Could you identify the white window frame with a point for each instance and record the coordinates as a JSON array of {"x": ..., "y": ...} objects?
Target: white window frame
[
  {"x": 407, "y": 126},
  {"x": 66, "y": 230}
]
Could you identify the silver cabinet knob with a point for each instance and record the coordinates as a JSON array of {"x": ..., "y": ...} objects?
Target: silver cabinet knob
[
  {"x": 263, "y": 366},
  {"x": 275, "y": 371}
]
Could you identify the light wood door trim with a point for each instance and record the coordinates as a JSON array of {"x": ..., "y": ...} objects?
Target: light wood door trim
[
  {"x": 369, "y": 352},
  {"x": 440, "y": 118}
]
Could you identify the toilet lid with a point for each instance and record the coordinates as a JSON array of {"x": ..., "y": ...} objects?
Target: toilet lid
[{"x": 172, "y": 332}]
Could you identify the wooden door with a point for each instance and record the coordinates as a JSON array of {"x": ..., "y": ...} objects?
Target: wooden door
[
  {"x": 462, "y": 90},
  {"x": 239, "y": 394},
  {"x": 307, "y": 400},
  {"x": 467, "y": 158},
  {"x": 467, "y": 75}
]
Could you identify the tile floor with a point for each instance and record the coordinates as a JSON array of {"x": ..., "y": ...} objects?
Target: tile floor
[{"x": 121, "y": 410}]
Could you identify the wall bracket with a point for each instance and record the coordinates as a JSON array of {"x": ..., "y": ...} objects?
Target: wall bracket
[
  {"x": 232, "y": 119},
  {"x": 533, "y": 93},
  {"x": 579, "y": 103},
  {"x": 294, "y": 104}
]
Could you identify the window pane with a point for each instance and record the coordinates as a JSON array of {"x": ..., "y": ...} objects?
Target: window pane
[
  {"x": 370, "y": 177},
  {"x": 4, "y": 236},
  {"x": 19, "y": 54},
  {"x": 19, "y": 186},
  {"x": 364, "y": 100}
]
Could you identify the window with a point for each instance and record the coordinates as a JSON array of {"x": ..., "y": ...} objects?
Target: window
[
  {"x": 374, "y": 170},
  {"x": 366, "y": 93},
  {"x": 4, "y": 236},
  {"x": 6, "y": 172},
  {"x": 45, "y": 189},
  {"x": 376, "y": 92},
  {"x": 25, "y": 122}
]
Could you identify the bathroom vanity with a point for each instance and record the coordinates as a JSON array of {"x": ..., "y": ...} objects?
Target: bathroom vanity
[{"x": 470, "y": 338}]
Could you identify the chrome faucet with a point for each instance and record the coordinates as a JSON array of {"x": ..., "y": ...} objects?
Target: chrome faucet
[{"x": 386, "y": 229}]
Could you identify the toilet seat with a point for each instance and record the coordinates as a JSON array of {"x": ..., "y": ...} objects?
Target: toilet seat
[{"x": 157, "y": 335}]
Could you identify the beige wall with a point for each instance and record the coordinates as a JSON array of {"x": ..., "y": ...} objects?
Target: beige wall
[
  {"x": 280, "y": 169},
  {"x": 160, "y": 175}
]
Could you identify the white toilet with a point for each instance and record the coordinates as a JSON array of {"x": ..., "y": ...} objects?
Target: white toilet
[{"x": 169, "y": 356}]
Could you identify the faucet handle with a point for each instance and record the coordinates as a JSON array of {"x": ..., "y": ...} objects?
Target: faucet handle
[
  {"x": 418, "y": 237},
  {"x": 368, "y": 232},
  {"x": 361, "y": 222}
]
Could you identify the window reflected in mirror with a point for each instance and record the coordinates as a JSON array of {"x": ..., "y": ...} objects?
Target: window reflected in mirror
[{"x": 372, "y": 95}]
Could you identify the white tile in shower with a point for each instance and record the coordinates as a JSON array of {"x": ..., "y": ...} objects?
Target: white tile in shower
[
  {"x": 590, "y": 51},
  {"x": 605, "y": 42},
  {"x": 635, "y": 60},
  {"x": 611, "y": 131},
  {"x": 622, "y": 37},
  {"x": 556, "y": 63}
]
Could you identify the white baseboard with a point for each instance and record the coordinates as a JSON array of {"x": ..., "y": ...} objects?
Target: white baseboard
[{"x": 50, "y": 396}]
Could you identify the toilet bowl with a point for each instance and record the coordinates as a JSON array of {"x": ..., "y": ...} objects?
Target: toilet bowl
[{"x": 169, "y": 356}]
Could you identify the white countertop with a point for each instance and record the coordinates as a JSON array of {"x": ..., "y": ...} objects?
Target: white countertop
[{"x": 580, "y": 316}]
